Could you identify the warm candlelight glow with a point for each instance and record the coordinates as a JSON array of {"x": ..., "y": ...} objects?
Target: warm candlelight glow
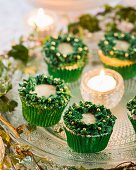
[
  {"x": 102, "y": 86},
  {"x": 41, "y": 20},
  {"x": 102, "y": 82}
]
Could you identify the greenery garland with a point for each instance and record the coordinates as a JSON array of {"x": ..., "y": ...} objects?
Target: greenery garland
[
  {"x": 104, "y": 119},
  {"x": 61, "y": 97},
  {"x": 131, "y": 106},
  {"x": 54, "y": 57},
  {"x": 113, "y": 15},
  {"x": 108, "y": 46}
]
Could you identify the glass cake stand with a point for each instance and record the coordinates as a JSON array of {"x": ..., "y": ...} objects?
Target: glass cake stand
[{"x": 51, "y": 142}]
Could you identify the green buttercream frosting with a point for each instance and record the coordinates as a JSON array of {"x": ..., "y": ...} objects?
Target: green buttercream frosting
[
  {"x": 60, "y": 99},
  {"x": 108, "y": 46},
  {"x": 55, "y": 58},
  {"x": 104, "y": 119}
]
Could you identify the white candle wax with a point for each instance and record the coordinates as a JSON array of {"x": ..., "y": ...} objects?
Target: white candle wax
[
  {"x": 41, "y": 20},
  {"x": 102, "y": 82}
]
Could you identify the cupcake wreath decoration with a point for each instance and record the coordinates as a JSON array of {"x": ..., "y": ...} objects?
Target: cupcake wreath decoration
[
  {"x": 131, "y": 106},
  {"x": 118, "y": 52},
  {"x": 43, "y": 99},
  {"x": 67, "y": 65},
  {"x": 88, "y": 127}
]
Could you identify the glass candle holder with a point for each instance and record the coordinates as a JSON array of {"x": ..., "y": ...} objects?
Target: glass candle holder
[
  {"x": 43, "y": 22},
  {"x": 109, "y": 95}
]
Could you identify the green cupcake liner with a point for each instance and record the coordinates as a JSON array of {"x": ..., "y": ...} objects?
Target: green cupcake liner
[
  {"x": 133, "y": 122},
  {"x": 41, "y": 117},
  {"x": 127, "y": 72},
  {"x": 66, "y": 75},
  {"x": 85, "y": 144}
]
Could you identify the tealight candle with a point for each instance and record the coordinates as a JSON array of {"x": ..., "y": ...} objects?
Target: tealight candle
[
  {"x": 43, "y": 22},
  {"x": 102, "y": 87},
  {"x": 102, "y": 82}
]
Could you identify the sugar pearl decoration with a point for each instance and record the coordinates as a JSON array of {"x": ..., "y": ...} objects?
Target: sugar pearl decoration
[
  {"x": 78, "y": 57},
  {"x": 52, "y": 48},
  {"x": 122, "y": 35},
  {"x": 58, "y": 54},
  {"x": 65, "y": 56},
  {"x": 98, "y": 110},
  {"x": 68, "y": 38},
  {"x": 126, "y": 54},
  {"x": 84, "y": 129},
  {"x": 111, "y": 53},
  {"x": 53, "y": 43},
  {"x": 99, "y": 128},
  {"x": 49, "y": 99},
  {"x": 80, "y": 49},
  {"x": 106, "y": 42},
  {"x": 115, "y": 34},
  {"x": 76, "y": 40},
  {"x": 114, "y": 48},
  {"x": 85, "y": 48}
]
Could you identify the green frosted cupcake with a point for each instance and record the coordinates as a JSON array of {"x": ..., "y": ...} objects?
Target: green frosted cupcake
[
  {"x": 131, "y": 106},
  {"x": 118, "y": 52},
  {"x": 88, "y": 127},
  {"x": 66, "y": 57},
  {"x": 43, "y": 100}
]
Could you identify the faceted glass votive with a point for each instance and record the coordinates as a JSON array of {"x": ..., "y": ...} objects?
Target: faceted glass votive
[
  {"x": 43, "y": 22},
  {"x": 109, "y": 98}
]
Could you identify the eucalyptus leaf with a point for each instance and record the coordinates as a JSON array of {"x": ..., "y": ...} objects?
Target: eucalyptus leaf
[
  {"x": 7, "y": 105},
  {"x": 19, "y": 52}
]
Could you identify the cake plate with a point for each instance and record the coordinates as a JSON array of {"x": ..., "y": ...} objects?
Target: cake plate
[{"x": 51, "y": 142}]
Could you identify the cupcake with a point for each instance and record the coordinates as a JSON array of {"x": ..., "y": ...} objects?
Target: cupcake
[
  {"x": 131, "y": 106},
  {"x": 65, "y": 56},
  {"x": 43, "y": 100},
  {"x": 88, "y": 127},
  {"x": 118, "y": 52}
]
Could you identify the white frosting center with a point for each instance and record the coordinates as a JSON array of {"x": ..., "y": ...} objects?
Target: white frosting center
[
  {"x": 65, "y": 48},
  {"x": 88, "y": 118},
  {"x": 122, "y": 45},
  {"x": 45, "y": 90}
]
